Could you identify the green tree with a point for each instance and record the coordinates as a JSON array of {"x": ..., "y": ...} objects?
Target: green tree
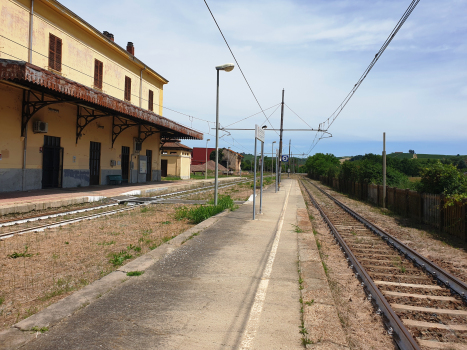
[
  {"x": 442, "y": 178},
  {"x": 322, "y": 164}
]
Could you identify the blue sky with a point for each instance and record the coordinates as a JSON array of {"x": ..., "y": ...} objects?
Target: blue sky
[{"x": 316, "y": 51}]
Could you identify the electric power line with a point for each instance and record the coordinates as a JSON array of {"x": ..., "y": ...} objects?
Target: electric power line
[
  {"x": 330, "y": 120},
  {"x": 244, "y": 77}
]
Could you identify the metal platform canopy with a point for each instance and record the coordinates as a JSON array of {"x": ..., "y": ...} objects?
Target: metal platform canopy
[{"x": 42, "y": 88}]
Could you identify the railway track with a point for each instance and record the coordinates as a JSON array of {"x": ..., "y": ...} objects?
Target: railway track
[
  {"x": 423, "y": 306},
  {"x": 41, "y": 223}
]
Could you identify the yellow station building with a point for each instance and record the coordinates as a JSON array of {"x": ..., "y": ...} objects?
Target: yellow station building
[{"x": 76, "y": 109}]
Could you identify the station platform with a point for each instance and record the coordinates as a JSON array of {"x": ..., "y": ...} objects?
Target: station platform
[
  {"x": 22, "y": 202},
  {"x": 228, "y": 283}
]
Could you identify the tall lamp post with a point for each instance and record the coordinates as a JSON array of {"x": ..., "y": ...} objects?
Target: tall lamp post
[
  {"x": 272, "y": 157},
  {"x": 206, "y": 177},
  {"x": 225, "y": 67}
]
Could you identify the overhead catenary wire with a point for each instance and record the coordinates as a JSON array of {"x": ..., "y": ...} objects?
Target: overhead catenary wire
[
  {"x": 240, "y": 68},
  {"x": 330, "y": 120}
]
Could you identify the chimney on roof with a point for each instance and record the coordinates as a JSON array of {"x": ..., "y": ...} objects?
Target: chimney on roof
[
  {"x": 130, "y": 48},
  {"x": 110, "y": 36}
]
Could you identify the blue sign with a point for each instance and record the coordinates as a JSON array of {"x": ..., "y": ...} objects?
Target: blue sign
[{"x": 285, "y": 158}]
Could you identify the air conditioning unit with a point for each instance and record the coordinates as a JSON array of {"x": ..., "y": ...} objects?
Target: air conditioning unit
[
  {"x": 138, "y": 145},
  {"x": 40, "y": 127}
]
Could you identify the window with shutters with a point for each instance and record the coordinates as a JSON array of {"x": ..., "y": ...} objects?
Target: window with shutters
[
  {"x": 127, "y": 88},
  {"x": 55, "y": 52},
  {"x": 98, "y": 67},
  {"x": 151, "y": 100}
]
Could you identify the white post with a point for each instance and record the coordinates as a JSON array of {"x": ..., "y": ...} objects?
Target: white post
[
  {"x": 254, "y": 185},
  {"x": 206, "y": 174},
  {"x": 261, "y": 183},
  {"x": 384, "y": 170}
]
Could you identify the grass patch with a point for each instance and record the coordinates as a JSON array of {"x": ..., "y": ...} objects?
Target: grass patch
[
  {"x": 2, "y": 300},
  {"x": 106, "y": 243},
  {"x": 117, "y": 259},
  {"x": 164, "y": 240},
  {"x": 203, "y": 212},
  {"x": 134, "y": 273},
  {"x": 306, "y": 341},
  {"x": 193, "y": 235},
  {"x": 297, "y": 229},
  {"x": 309, "y": 303},
  {"x": 37, "y": 329},
  {"x": 144, "y": 209},
  {"x": 24, "y": 254},
  {"x": 165, "y": 223}
]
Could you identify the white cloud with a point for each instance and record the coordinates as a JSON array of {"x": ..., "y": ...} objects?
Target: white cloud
[{"x": 316, "y": 51}]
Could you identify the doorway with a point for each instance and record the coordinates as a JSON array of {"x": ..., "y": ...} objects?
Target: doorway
[
  {"x": 94, "y": 163},
  {"x": 164, "y": 167},
  {"x": 125, "y": 163},
  {"x": 149, "y": 165},
  {"x": 52, "y": 162}
]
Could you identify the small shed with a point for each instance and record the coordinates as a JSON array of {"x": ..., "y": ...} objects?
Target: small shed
[{"x": 175, "y": 159}]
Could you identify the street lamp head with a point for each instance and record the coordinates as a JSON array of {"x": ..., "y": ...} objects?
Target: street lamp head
[
  {"x": 264, "y": 127},
  {"x": 208, "y": 140},
  {"x": 273, "y": 141},
  {"x": 227, "y": 67}
]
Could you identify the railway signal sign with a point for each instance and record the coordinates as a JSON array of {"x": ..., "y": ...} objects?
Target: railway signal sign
[{"x": 285, "y": 158}]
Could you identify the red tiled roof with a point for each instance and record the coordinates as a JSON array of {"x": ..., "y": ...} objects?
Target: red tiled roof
[
  {"x": 174, "y": 144},
  {"x": 211, "y": 167}
]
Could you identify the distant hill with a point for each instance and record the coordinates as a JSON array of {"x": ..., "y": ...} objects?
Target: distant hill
[{"x": 420, "y": 156}]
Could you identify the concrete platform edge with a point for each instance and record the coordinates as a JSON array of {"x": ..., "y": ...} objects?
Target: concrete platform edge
[
  {"x": 27, "y": 207},
  {"x": 20, "y": 333},
  {"x": 320, "y": 318}
]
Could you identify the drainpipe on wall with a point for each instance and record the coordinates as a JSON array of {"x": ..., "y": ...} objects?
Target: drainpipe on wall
[
  {"x": 25, "y": 142},
  {"x": 31, "y": 18},
  {"x": 141, "y": 86}
]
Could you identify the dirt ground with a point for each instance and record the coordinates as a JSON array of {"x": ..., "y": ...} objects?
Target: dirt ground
[
  {"x": 363, "y": 328},
  {"x": 38, "y": 269},
  {"x": 447, "y": 252}
]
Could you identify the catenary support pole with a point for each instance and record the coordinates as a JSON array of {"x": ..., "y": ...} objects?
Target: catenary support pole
[
  {"x": 280, "y": 139},
  {"x": 384, "y": 170},
  {"x": 254, "y": 184},
  {"x": 261, "y": 181},
  {"x": 288, "y": 163}
]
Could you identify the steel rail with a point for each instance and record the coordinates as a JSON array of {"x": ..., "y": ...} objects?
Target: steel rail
[
  {"x": 444, "y": 278},
  {"x": 50, "y": 216},
  {"x": 95, "y": 216},
  {"x": 65, "y": 222},
  {"x": 395, "y": 327}
]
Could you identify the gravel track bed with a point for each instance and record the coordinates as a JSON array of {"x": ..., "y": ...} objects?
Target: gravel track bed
[
  {"x": 445, "y": 251},
  {"x": 363, "y": 328},
  {"x": 383, "y": 264}
]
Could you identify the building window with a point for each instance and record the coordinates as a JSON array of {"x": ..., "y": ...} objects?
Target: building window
[
  {"x": 173, "y": 152},
  {"x": 55, "y": 52},
  {"x": 127, "y": 88},
  {"x": 151, "y": 100},
  {"x": 98, "y": 67}
]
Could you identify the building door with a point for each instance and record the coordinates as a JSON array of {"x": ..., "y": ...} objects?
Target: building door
[
  {"x": 125, "y": 162},
  {"x": 163, "y": 167},
  {"x": 52, "y": 162},
  {"x": 94, "y": 163},
  {"x": 149, "y": 165}
]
